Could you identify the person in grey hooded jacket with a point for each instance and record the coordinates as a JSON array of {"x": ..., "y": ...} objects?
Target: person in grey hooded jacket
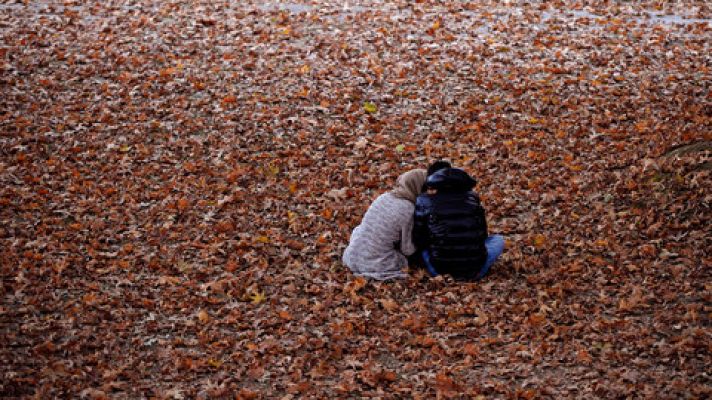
[{"x": 379, "y": 246}]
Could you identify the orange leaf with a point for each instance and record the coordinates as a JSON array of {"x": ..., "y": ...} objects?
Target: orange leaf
[
  {"x": 203, "y": 317},
  {"x": 284, "y": 314},
  {"x": 183, "y": 204},
  {"x": 327, "y": 213},
  {"x": 295, "y": 244},
  {"x": 246, "y": 394},
  {"x": 231, "y": 266},
  {"x": 583, "y": 356},
  {"x": 389, "y": 376},
  {"x": 166, "y": 72},
  {"x": 293, "y": 187},
  {"x": 322, "y": 239},
  {"x": 537, "y": 319},
  {"x": 389, "y": 304},
  {"x": 471, "y": 349},
  {"x": 89, "y": 298},
  {"x": 445, "y": 383}
]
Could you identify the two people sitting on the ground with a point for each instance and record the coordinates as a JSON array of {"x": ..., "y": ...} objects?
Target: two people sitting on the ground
[{"x": 431, "y": 219}]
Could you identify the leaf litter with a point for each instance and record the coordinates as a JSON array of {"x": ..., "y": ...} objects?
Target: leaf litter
[{"x": 178, "y": 180}]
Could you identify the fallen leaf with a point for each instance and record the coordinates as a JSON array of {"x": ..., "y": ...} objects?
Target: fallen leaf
[
  {"x": 370, "y": 107},
  {"x": 203, "y": 317},
  {"x": 257, "y": 297}
]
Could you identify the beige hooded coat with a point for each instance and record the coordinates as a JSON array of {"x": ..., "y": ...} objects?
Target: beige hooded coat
[{"x": 379, "y": 245}]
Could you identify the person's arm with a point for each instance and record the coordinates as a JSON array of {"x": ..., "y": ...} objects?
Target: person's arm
[
  {"x": 406, "y": 238},
  {"x": 481, "y": 214},
  {"x": 421, "y": 235}
]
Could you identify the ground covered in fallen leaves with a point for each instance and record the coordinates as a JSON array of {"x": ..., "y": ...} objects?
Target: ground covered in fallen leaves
[{"x": 178, "y": 180}]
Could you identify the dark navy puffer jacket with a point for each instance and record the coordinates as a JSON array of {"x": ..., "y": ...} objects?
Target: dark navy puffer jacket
[{"x": 451, "y": 224}]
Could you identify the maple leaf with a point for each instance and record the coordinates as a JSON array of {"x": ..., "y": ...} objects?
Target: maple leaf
[
  {"x": 183, "y": 204},
  {"x": 257, "y": 297},
  {"x": 471, "y": 349},
  {"x": 389, "y": 304},
  {"x": 262, "y": 239},
  {"x": 271, "y": 169},
  {"x": 539, "y": 241}
]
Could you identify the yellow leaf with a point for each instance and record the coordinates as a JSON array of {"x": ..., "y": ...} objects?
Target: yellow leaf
[
  {"x": 601, "y": 242},
  {"x": 370, "y": 107},
  {"x": 272, "y": 169},
  {"x": 304, "y": 92},
  {"x": 291, "y": 216},
  {"x": 539, "y": 240},
  {"x": 257, "y": 297},
  {"x": 400, "y": 148},
  {"x": 214, "y": 363},
  {"x": 125, "y": 149},
  {"x": 262, "y": 239}
]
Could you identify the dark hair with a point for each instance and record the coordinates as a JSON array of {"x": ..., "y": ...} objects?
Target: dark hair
[{"x": 437, "y": 166}]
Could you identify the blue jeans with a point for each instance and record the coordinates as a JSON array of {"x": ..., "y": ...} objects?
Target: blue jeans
[{"x": 495, "y": 246}]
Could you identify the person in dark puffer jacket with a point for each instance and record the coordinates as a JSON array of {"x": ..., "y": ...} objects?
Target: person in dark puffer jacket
[{"x": 450, "y": 228}]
